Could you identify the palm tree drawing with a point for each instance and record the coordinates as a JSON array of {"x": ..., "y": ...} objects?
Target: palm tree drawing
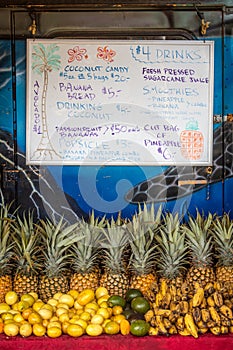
[{"x": 45, "y": 60}]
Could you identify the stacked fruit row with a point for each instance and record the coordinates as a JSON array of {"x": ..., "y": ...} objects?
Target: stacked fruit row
[{"x": 75, "y": 314}]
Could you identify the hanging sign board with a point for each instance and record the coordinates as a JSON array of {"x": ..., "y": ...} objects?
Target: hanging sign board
[{"x": 94, "y": 102}]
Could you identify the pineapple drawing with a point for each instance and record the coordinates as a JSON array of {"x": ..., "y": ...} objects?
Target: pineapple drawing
[{"x": 192, "y": 141}]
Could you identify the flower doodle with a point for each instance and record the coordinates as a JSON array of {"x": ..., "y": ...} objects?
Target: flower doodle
[
  {"x": 77, "y": 53},
  {"x": 106, "y": 54}
]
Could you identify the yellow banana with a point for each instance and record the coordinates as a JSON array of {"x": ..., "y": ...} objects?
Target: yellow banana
[
  {"x": 167, "y": 323},
  {"x": 148, "y": 315},
  {"x": 163, "y": 287},
  {"x": 160, "y": 325},
  {"x": 226, "y": 311},
  {"x": 209, "y": 288},
  {"x": 218, "y": 299},
  {"x": 196, "y": 314},
  {"x": 203, "y": 304},
  {"x": 224, "y": 330},
  {"x": 158, "y": 299},
  {"x": 231, "y": 329},
  {"x": 166, "y": 301},
  {"x": 215, "y": 330},
  {"x": 198, "y": 297},
  {"x": 228, "y": 303},
  {"x": 153, "y": 331},
  {"x": 205, "y": 315},
  {"x": 173, "y": 305},
  {"x": 180, "y": 323},
  {"x": 211, "y": 324},
  {"x": 184, "y": 307},
  {"x": 215, "y": 315},
  {"x": 201, "y": 324},
  {"x": 172, "y": 291},
  {"x": 172, "y": 317},
  {"x": 172, "y": 330},
  {"x": 163, "y": 312},
  {"x": 225, "y": 321},
  {"x": 210, "y": 301},
  {"x": 184, "y": 332},
  {"x": 190, "y": 325},
  {"x": 203, "y": 330}
]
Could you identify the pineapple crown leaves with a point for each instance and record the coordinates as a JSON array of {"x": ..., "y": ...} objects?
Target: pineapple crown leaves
[
  {"x": 57, "y": 239},
  {"x": 199, "y": 239},
  {"x": 114, "y": 244},
  {"x": 6, "y": 242},
  {"x": 172, "y": 251},
  {"x": 222, "y": 233},
  {"x": 148, "y": 217},
  {"x": 27, "y": 252},
  {"x": 85, "y": 252}
]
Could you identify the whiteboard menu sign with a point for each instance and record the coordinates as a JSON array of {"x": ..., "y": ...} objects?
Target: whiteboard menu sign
[{"x": 128, "y": 102}]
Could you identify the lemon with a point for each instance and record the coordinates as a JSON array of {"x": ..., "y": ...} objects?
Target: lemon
[
  {"x": 34, "y": 317},
  {"x": 65, "y": 306},
  {"x": 82, "y": 323},
  {"x": 104, "y": 312},
  {"x": 86, "y": 296},
  {"x": 101, "y": 291},
  {"x": 74, "y": 330},
  {"x": 118, "y": 318},
  {"x": 54, "y": 324},
  {"x": 86, "y": 316},
  {"x": 37, "y": 305},
  {"x": 7, "y": 316},
  {"x": 11, "y": 297},
  {"x": 74, "y": 293},
  {"x": 38, "y": 330},
  {"x": 64, "y": 326},
  {"x": 23, "y": 305},
  {"x": 28, "y": 298},
  {"x": 94, "y": 330},
  {"x": 34, "y": 295},
  {"x": 54, "y": 332},
  {"x": 25, "y": 313},
  {"x": 18, "y": 318},
  {"x": 103, "y": 298},
  {"x": 92, "y": 305},
  {"x": 53, "y": 302},
  {"x": 25, "y": 329},
  {"x": 117, "y": 310},
  {"x": 45, "y": 313},
  {"x": 11, "y": 329},
  {"x": 61, "y": 310},
  {"x": 4, "y": 307},
  {"x": 97, "y": 319},
  {"x": 112, "y": 328},
  {"x": 64, "y": 317},
  {"x": 67, "y": 299},
  {"x": 78, "y": 306},
  {"x": 57, "y": 295}
]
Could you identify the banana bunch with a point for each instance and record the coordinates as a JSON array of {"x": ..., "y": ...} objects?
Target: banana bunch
[{"x": 177, "y": 311}]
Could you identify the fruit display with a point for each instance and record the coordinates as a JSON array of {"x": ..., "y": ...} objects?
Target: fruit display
[
  {"x": 156, "y": 274},
  {"x": 90, "y": 312}
]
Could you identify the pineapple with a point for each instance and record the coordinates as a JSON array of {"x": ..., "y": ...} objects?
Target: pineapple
[
  {"x": 6, "y": 246},
  {"x": 223, "y": 241},
  {"x": 142, "y": 230},
  {"x": 114, "y": 250},
  {"x": 172, "y": 251},
  {"x": 58, "y": 238},
  {"x": 85, "y": 255},
  {"x": 27, "y": 255},
  {"x": 200, "y": 245}
]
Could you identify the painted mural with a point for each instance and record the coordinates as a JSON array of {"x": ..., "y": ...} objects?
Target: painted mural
[{"x": 73, "y": 191}]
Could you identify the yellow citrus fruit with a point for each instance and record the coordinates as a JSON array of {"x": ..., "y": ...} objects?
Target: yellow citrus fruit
[
  {"x": 11, "y": 297},
  {"x": 18, "y": 318},
  {"x": 117, "y": 310},
  {"x": 74, "y": 293},
  {"x": 104, "y": 304},
  {"x": 101, "y": 291},
  {"x": 54, "y": 324},
  {"x": 112, "y": 328},
  {"x": 86, "y": 296},
  {"x": 28, "y": 298},
  {"x": 54, "y": 332},
  {"x": 45, "y": 313},
  {"x": 53, "y": 302},
  {"x": 57, "y": 295},
  {"x": 34, "y": 317},
  {"x": 92, "y": 305},
  {"x": 11, "y": 329},
  {"x": 4, "y": 307},
  {"x": 103, "y": 298},
  {"x": 94, "y": 329},
  {"x": 118, "y": 318},
  {"x": 82, "y": 323},
  {"x": 92, "y": 312},
  {"x": 25, "y": 329},
  {"x": 54, "y": 318},
  {"x": 37, "y": 305},
  {"x": 74, "y": 330},
  {"x": 34, "y": 295},
  {"x": 14, "y": 307},
  {"x": 49, "y": 307},
  {"x": 25, "y": 313},
  {"x": 97, "y": 319},
  {"x": 105, "y": 322},
  {"x": 86, "y": 316},
  {"x": 64, "y": 317},
  {"x": 23, "y": 305},
  {"x": 38, "y": 330},
  {"x": 61, "y": 310},
  {"x": 78, "y": 306},
  {"x": 104, "y": 312},
  {"x": 65, "y": 306},
  {"x": 7, "y": 316},
  {"x": 66, "y": 299}
]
